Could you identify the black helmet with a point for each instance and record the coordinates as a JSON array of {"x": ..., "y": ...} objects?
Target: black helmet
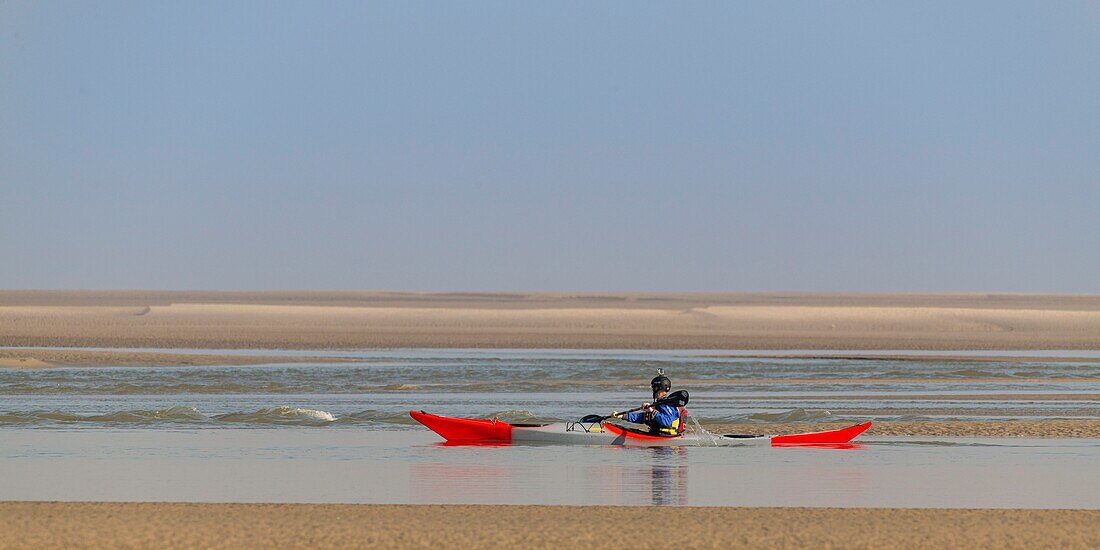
[{"x": 660, "y": 383}]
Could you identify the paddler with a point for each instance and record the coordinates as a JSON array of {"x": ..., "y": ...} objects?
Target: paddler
[{"x": 662, "y": 418}]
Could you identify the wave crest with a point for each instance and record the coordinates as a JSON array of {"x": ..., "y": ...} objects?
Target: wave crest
[
  {"x": 178, "y": 414},
  {"x": 279, "y": 415},
  {"x": 171, "y": 414},
  {"x": 401, "y": 387}
]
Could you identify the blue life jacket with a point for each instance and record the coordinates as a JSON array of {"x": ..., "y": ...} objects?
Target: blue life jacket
[{"x": 668, "y": 420}]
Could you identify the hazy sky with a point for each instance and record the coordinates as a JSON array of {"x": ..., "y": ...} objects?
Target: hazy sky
[{"x": 816, "y": 146}]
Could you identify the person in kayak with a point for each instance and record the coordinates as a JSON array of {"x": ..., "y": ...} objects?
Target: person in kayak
[{"x": 661, "y": 418}]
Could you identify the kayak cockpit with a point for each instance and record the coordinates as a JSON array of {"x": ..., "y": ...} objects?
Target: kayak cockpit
[{"x": 639, "y": 434}]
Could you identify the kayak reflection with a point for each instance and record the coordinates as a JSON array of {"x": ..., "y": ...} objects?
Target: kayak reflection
[
  {"x": 669, "y": 485},
  {"x": 841, "y": 446},
  {"x": 656, "y": 476}
]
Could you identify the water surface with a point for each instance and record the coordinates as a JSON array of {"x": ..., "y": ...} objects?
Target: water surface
[
  {"x": 307, "y": 432},
  {"x": 381, "y": 385},
  {"x": 360, "y": 466}
]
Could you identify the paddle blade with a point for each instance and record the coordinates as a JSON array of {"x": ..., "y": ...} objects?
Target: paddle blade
[
  {"x": 593, "y": 418},
  {"x": 678, "y": 398}
]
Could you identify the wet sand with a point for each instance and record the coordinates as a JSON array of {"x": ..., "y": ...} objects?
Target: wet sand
[
  {"x": 36, "y": 525},
  {"x": 305, "y": 320}
]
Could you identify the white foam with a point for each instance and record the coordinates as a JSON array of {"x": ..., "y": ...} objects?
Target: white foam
[{"x": 307, "y": 413}]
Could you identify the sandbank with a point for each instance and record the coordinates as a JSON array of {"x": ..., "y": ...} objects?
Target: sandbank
[
  {"x": 311, "y": 320},
  {"x": 9, "y": 362}
]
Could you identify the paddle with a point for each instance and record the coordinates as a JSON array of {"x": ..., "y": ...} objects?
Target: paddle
[{"x": 678, "y": 398}]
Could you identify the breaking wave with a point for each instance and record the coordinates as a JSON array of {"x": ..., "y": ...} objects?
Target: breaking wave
[
  {"x": 172, "y": 414},
  {"x": 187, "y": 415},
  {"x": 401, "y": 387},
  {"x": 370, "y": 417},
  {"x": 282, "y": 415},
  {"x": 279, "y": 415}
]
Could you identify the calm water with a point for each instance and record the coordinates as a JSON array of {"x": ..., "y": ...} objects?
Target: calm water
[
  {"x": 340, "y": 432},
  {"x": 354, "y": 465}
]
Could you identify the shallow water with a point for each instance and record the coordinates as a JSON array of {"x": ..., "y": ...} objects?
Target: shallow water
[
  {"x": 360, "y": 466},
  {"x": 341, "y": 433}
]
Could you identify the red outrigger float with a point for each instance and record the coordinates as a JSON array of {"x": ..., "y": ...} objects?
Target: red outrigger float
[{"x": 475, "y": 430}]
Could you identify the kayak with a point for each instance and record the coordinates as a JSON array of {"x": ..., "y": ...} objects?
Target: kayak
[{"x": 477, "y": 430}]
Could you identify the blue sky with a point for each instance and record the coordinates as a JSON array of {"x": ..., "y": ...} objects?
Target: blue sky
[{"x": 858, "y": 146}]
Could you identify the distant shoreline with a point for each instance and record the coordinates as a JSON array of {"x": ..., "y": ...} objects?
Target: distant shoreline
[{"x": 746, "y": 321}]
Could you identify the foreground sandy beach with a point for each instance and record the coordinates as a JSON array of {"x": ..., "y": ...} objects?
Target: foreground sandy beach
[
  {"x": 36, "y": 525},
  {"x": 303, "y": 320}
]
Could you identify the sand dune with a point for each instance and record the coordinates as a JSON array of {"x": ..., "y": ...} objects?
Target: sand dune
[{"x": 702, "y": 321}]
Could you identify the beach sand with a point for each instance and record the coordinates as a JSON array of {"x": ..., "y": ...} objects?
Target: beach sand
[
  {"x": 21, "y": 361},
  {"x": 304, "y": 320},
  {"x": 145, "y": 525}
]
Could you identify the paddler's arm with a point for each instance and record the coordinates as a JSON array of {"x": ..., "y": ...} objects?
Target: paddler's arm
[{"x": 639, "y": 416}]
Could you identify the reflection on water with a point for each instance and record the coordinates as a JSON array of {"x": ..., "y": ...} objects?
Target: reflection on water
[
  {"x": 649, "y": 475},
  {"x": 669, "y": 483},
  {"x": 657, "y": 476},
  {"x": 834, "y": 446}
]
